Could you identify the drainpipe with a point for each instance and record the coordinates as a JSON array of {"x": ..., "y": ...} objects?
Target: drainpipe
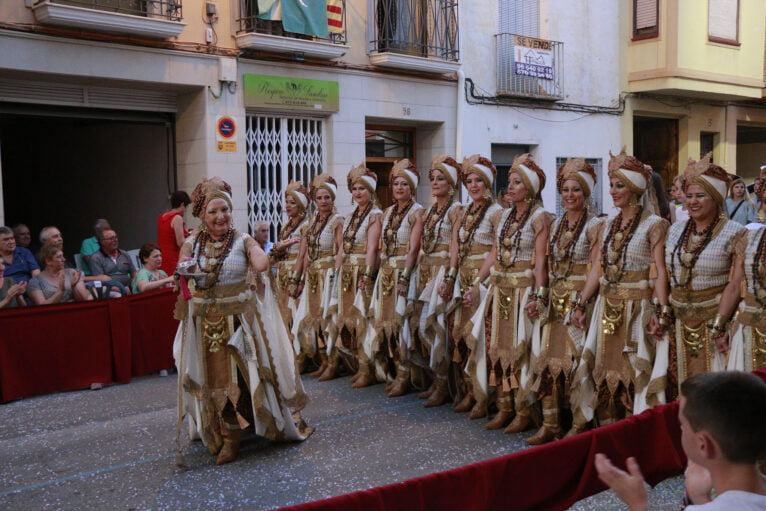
[{"x": 460, "y": 99}]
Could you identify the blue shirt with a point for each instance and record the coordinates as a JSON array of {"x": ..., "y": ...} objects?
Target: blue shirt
[{"x": 23, "y": 265}]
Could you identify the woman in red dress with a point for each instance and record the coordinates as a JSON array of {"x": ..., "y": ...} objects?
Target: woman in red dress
[{"x": 171, "y": 230}]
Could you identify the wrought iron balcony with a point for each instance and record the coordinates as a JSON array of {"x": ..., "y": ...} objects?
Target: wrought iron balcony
[
  {"x": 148, "y": 18},
  {"x": 529, "y": 68},
  {"x": 420, "y": 35},
  {"x": 270, "y": 35}
]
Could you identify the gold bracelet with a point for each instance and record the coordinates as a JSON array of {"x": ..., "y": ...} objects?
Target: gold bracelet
[
  {"x": 452, "y": 273},
  {"x": 406, "y": 274},
  {"x": 718, "y": 323},
  {"x": 542, "y": 292}
]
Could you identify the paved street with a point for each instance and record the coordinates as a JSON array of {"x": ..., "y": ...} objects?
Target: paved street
[{"x": 114, "y": 449}]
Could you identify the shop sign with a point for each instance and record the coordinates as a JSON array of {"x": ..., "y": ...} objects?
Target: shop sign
[
  {"x": 285, "y": 93},
  {"x": 226, "y": 134},
  {"x": 533, "y": 57}
]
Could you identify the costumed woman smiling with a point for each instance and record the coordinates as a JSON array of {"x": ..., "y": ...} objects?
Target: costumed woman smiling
[
  {"x": 619, "y": 346},
  {"x": 394, "y": 294},
  {"x": 355, "y": 274},
  {"x": 286, "y": 252},
  {"x": 472, "y": 239},
  {"x": 430, "y": 338},
  {"x": 322, "y": 241},
  {"x": 704, "y": 257},
  {"x": 572, "y": 246},
  {"x": 236, "y": 368},
  {"x": 518, "y": 294}
]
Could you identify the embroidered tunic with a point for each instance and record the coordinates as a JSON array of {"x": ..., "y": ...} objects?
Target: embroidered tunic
[
  {"x": 284, "y": 266},
  {"x": 748, "y": 345}
]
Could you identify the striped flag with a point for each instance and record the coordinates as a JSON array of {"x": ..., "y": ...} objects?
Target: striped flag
[{"x": 335, "y": 16}]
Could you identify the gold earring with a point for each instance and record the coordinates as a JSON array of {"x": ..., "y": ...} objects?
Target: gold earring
[
  {"x": 451, "y": 191},
  {"x": 633, "y": 200}
]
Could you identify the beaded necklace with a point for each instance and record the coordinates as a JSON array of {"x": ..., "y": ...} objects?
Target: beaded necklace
[
  {"x": 613, "y": 260},
  {"x": 433, "y": 225},
  {"x": 688, "y": 258},
  {"x": 215, "y": 253},
  {"x": 510, "y": 236},
  {"x": 570, "y": 237},
  {"x": 394, "y": 222},
  {"x": 468, "y": 226},
  {"x": 759, "y": 258},
  {"x": 349, "y": 235},
  {"x": 315, "y": 230},
  {"x": 291, "y": 226}
]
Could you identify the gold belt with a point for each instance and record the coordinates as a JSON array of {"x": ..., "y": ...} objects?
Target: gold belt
[
  {"x": 694, "y": 297},
  {"x": 620, "y": 291},
  {"x": 752, "y": 314},
  {"x": 434, "y": 260},
  {"x": 512, "y": 279},
  {"x": 572, "y": 283},
  {"x": 441, "y": 247}
]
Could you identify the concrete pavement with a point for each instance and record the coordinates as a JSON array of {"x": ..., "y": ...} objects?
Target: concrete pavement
[{"x": 114, "y": 449}]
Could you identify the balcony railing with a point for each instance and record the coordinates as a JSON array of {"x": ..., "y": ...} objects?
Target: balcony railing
[
  {"x": 170, "y": 10},
  {"x": 249, "y": 22},
  {"x": 420, "y": 28},
  {"x": 530, "y": 68}
]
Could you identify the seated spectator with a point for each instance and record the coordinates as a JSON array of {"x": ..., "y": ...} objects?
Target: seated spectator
[
  {"x": 110, "y": 262},
  {"x": 50, "y": 236},
  {"x": 722, "y": 416},
  {"x": 150, "y": 277},
  {"x": 171, "y": 230},
  {"x": 90, "y": 245},
  {"x": 23, "y": 236},
  {"x": 57, "y": 284},
  {"x": 11, "y": 294},
  {"x": 20, "y": 264}
]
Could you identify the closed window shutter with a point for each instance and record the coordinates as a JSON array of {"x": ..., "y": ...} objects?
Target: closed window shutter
[
  {"x": 520, "y": 17},
  {"x": 646, "y": 14},
  {"x": 722, "y": 19}
]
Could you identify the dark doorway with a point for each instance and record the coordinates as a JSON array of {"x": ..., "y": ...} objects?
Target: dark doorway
[
  {"x": 68, "y": 168},
  {"x": 502, "y": 157},
  {"x": 384, "y": 145},
  {"x": 655, "y": 142}
]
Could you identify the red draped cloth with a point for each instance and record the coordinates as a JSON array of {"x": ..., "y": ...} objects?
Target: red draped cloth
[
  {"x": 553, "y": 476},
  {"x": 69, "y": 346}
]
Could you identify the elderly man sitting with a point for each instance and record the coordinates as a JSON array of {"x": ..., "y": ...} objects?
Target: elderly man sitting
[
  {"x": 110, "y": 263},
  {"x": 20, "y": 264},
  {"x": 50, "y": 236},
  {"x": 90, "y": 246}
]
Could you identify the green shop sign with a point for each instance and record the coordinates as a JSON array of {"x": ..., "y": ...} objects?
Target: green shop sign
[{"x": 284, "y": 93}]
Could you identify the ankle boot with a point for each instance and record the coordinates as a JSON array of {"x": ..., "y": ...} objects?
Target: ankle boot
[
  {"x": 440, "y": 394},
  {"x": 230, "y": 447},
  {"x": 465, "y": 404},
  {"x": 504, "y": 411},
  {"x": 478, "y": 410},
  {"x": 365, "y": 378},
  {"x": 518, "y": 424},
  {"x": 322, "y": 366},
  {"x": 576, "y": 429},
  {"x": 427, "y": 393},
  {"x": 550, "y": 427},
  {"x": 402, "y": 382},
  {"x": 331, "y": 370}
]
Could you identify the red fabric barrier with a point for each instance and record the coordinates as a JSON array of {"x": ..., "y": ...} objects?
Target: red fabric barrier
[
  {"x": 69, "y": 346},
  {"x": 553, "y": 476}
]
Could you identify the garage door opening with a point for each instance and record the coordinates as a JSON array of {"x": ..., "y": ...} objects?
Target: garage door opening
[{"x": 68, "y": 167}]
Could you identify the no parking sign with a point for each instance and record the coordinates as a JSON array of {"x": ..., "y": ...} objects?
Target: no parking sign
[{"x": 226, "y": 134}]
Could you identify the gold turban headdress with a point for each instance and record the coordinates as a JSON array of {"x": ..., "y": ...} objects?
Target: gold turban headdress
[
  {"x": 207, "y": 190},
  {"x": 363, "y": 175},
  {"x": 480, "y": 166},
  {"x": 713, "y": 178},
  {"x": 579, "y": 170},
  {"x": 406, "y": 169},
  {"x": 297, "y": 191},
  {"x": 628, "y": 169},
  {"x": 326, "y": 182},
  {"x": 448, "y": 167},
  {"x": 532, "y": 175}
]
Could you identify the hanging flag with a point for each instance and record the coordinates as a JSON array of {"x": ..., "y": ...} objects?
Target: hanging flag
[
  {"x": 269, "y": 10},
  {"x": 335, "y": 16},
  {"x": 305, "y": 17}
]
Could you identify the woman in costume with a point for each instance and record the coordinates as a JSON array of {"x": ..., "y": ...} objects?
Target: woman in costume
[
  {"x": 286, "y": 252},
  {"x": 356, "y": 265},
  {"x": 700, "y": 255},
  {"x": 748, "y": 341},
  {"x": 322, "y": 241},
  {"x": 619, "y": 345},
  {"x": 429, "y": 318},
  {"x": 472, "y": 239},
  {"x": 572, "y": 246},
  {"x": 393, "y": 294},
  {"x": 738, "y": 204},
  {"x": 517, "y": 296},
  {"x": 236, "y": 368}
]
